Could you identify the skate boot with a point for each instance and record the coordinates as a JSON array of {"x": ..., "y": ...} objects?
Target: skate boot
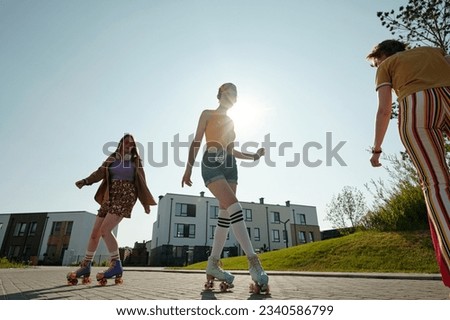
[
  {"x": 83, "y": 272},
  {"x": 115, "y": 270},
  {"x": 215, "y": 272},
  {"x": 259, "y": 276}
]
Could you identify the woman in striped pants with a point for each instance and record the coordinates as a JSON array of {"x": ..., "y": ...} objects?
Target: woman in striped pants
[{"x": 420, "y": 78}]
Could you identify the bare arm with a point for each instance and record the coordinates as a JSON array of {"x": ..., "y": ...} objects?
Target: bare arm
[
  {"x": 248, "y": 156},
  {"x": 382, "y": 121},
  {"x": 194, "y": 148}
]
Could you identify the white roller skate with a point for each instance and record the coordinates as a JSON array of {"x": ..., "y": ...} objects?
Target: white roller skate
[
  {"x": 215, "y": 272},
  {"x": 259, "y": 276}
]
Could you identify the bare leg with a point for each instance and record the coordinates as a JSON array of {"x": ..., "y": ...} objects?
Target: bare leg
[
  {"x": 95, "y": 235},
  {"x": 222, "y": 228},
  {"x": 109, "y": 223},
  {"x": 213, "y": 269},
  {"x": 115, "y": 269},
  {"x": 224, "y": 192}
]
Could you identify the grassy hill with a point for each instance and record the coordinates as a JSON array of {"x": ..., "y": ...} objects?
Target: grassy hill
[{"x": 368, "y": 251}]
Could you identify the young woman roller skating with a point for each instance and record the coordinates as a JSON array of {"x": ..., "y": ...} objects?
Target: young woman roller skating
[
  {"x": 123, "y": 182},
  {"x": 219, "y": 172}
]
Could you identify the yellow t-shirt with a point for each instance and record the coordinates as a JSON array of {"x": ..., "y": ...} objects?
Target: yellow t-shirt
[
  {"x": 219, "y": 131},
  {"x": 414, "y": 70}
]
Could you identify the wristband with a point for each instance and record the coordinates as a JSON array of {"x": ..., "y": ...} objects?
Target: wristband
[{"x": 376, "y": 151}]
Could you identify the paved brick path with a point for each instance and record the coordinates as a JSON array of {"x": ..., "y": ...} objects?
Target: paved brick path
[{"x": 44, "y": 283}]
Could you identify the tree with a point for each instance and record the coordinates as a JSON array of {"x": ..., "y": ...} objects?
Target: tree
[
  {"x": 420, "y": 22},
  {"x": 347, "y": 208},
  {"x": 400, "y": 206}
]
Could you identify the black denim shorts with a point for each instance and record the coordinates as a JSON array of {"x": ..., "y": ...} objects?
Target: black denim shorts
[{"x": 218, "y": 165}]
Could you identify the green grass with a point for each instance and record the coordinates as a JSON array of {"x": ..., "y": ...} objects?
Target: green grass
[
  {"x": 366, "y": 251},
  {"x": 4, "y": 263}
]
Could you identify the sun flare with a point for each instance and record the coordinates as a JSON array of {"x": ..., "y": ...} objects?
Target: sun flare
[{"x": 248, "y": 115}]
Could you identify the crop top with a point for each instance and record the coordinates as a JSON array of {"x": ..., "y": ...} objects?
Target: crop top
[{"x": 122, "y": 170}]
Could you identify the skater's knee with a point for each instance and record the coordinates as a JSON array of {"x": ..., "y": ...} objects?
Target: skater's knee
[
  {"x": 105, "y": 232},
  {"x": 95, "y": 236}
]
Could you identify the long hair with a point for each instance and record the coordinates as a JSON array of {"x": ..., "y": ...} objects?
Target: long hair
[{"x": 134, "y": 151}]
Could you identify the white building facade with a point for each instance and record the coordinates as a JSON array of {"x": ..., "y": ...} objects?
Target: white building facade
[
  {"x": 55, "y": 238},
  {"x": 183, "y": 232}
]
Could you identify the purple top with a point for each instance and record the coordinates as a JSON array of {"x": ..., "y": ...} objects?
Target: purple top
[{"x": 122, "y": 170}]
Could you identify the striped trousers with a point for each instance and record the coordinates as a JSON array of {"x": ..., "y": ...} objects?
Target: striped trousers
[{"x": 424, "y": 118}]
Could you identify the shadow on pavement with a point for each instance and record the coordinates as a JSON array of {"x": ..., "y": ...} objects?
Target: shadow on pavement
[{"x": 61, "y": 291}]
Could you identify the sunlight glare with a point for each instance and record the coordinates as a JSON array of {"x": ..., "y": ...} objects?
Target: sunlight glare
[{"x": 248, "y": 115}]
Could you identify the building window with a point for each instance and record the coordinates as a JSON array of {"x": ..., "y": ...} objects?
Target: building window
[
  {"x": 214, "y": 212},
  {"x": 275, "y": 217},
  {"x": 63, "y": 249},
  {"x": 178, "y": 252},
  {"x": 51, "y": 251},
  {"x": 14, "y": 252},
  {"x": 1, "y": 225},
  {"x": 26, "y": 252},
  {"x": 20, "y": 229},
  {"x": 248, "y": 214},
  {"x": 69, "y": 228},
  {"x": 311, "y": 237},
  {"x": 276, "y": 235},
  {"x": 302, "y": 236},
  {"x": 249, "y": 231},
  {"x": 185, "y": 230},
  {"x": 301, "y": 218},
  {"x": 257, "y": 236},
  {"x": 56, "y": 228},
  {"x": 33, "y": 227},
  {"x": 185, "y": 210}
]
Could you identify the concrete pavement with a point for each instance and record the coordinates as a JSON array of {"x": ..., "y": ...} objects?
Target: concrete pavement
[{"x": 142, "y": 283}]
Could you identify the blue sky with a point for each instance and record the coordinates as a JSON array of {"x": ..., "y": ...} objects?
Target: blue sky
[{"x": 76, "y": 75}]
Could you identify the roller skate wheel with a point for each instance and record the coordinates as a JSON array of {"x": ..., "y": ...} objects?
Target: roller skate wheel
[
  {"x": 71, "y": 276},
  {"x": 265, "y": 289},
  {"x": 102, "y": 281},
  {"x": 86, "y": 280},
  {"x": 72, "y": 282},
  {"x": 118, "y": 280},
  {"x": 209, "y": 285},
  {"x": 254, "y": 288},
  {"x": 223, "y": 286}
]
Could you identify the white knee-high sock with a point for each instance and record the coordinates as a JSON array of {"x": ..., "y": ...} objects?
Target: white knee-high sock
[
  {"x": 89, "y": 256},
  {"x": 240, "y": 228},
  {"x": 114, "y": 255},
  {"x": 220, "y": 234}
]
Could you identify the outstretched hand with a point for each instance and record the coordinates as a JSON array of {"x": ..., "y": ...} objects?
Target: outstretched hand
[
  {"x": 259, "y": 153},
  {"x": 186, "y": 179},
  {"x": 80, "y": 184}
]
